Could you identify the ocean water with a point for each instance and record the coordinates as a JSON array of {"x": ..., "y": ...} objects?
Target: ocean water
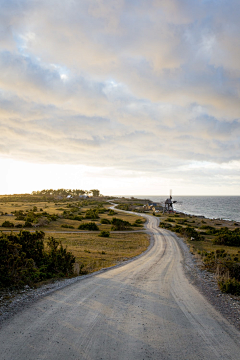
[{"x": 213, "y": 207}]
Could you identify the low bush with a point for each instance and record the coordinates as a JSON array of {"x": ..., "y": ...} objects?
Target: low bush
[
  {"x": 170, "y": 219},
  {"x": 105, "y": 221},
  {"x": 230, "y": 239},
  {"x": 91, "y": 226},
  {"x": 7, "y": 224},
  {"x": 27, "y": 224},
  {"x": 120, "y": 225},
  {"x": 112, "y": 212},
  {"x": 165, "y": 225},
  {"x": 92, "y": 214},
  {"x": 67, "y": 226},
  {"x": 230, "y": 286},
  {"x": 104, "y": 233},
  {"x": 125, "y": 207}
]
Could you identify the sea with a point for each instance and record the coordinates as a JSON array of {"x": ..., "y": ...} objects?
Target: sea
[{"x": 212, "y": 207}]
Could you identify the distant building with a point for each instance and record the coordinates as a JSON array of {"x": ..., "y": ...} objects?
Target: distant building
[{"x": 83, "y": 196}]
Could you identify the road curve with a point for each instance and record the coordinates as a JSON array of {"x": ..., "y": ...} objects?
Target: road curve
[{"x": 145, "y": 309}]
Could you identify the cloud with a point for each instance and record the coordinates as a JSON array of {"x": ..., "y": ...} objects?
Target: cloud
[{"x": 132, "y": 85}]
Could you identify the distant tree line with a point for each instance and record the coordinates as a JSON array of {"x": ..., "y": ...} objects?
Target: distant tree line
[{"x": 66, "y": 192}]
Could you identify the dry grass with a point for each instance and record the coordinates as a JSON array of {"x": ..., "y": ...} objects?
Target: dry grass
[
  {"x": 96, "y": 252},
  {"x": 57, "y": 208}
]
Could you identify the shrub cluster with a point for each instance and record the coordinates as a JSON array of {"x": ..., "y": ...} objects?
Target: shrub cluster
[
  {"x": 105, "y": 221},
  {"x": 112, "y": 212},
  {"x": 67, "y": 226},
  {"x": 91, "y": 226},
  {"x": 24, "y": 259},
  {"x": 227, "y": 268},
  {"x": 231, "y": 286},
  {"x": 120, "y": 225},
  {"x": 125, "y": 207},
  {"x": 70, "y": 216},
  {"x": 138, "y": 223},
  {"x": 227, "y": 237},
  {"x": 104, "y": 233},
  {"x": 188, "y": 231},
  {"x": 92, "y": 214},
  {"x": 32, "y": 216}
]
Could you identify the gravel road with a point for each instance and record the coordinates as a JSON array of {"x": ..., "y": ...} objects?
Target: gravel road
[{"x": 146, "y": 309}]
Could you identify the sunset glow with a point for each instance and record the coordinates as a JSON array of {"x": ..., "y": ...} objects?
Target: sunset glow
[{"x": 129, "y": 97}]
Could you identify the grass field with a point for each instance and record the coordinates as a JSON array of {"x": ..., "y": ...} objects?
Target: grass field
[
  {"x": 94, "y": 252},
  {"x": 7, "y": 209},
  {"x": 91, "y": 251}
]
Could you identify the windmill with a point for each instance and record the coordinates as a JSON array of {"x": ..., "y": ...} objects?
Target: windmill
[{"x": 168, "y": 206}]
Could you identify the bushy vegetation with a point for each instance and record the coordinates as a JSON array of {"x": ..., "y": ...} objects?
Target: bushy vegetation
[
  {"x": 138, "y": 223},
  {"x": 125, "y": 207},
  {"x": 25, "y": 260},
  {"x": 91, "y": 226},
  {"x": 104, "y": 233},
  {"x": 7, "y": 224},
  {"x": 105, "y": 221},
  {"x": 92, "y": 214},
  {"x": 187, "y": 231},
  {"x": 120, "y": 225},
  {"x": 67, "y": 226},
  {"x": 227, "y": 237},
  {"x": 231, "y": 286},
  {"x": 227, "y": 268},
  {"x": 31, "y": 217},
  {"x": 112, "y": 212}
]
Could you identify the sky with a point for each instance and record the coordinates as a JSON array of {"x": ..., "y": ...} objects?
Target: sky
[{"x": 126, "y": 96}]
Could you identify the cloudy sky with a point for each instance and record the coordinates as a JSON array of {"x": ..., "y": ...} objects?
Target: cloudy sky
[{"x": 127, "y": 96}]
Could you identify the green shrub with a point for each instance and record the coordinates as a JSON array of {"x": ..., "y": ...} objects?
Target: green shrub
[
  {"x": 67, "y": 226},
  {"x": 92, "y": 214},
  {"x": 165, "y": 225},
  {"x": 138, "y": 222},
  {"x": 170, "y": 219},
  {"x": 123, "y": 207},
  {"x": 104, "y": 233},
  {"x": 101, "y": 210},
  {"x": 120, "y": 225},
  {"x": 231, "y": 286},
  {"x": 91, "y": 226},
  {"x": 112, "y": 212},
  {"x": 27, "y": 224},
  {"x": 7, "y": 224},
  {"x": 227, "y": 239},
  {"x": 105, "y": 221}
]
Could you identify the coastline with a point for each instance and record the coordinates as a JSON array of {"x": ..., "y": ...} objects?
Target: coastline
[{"x": 212, "y": 207}]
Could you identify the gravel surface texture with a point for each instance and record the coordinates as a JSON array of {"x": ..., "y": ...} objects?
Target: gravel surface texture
[{"x": 12, "y": 302}]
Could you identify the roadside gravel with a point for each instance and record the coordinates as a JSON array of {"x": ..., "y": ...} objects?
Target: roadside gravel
[
  {"x": 206, "y": 282},
  {"x": 12, "y": 302}
]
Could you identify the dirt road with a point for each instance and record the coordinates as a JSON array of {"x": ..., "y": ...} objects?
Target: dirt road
[{"x": 145, "y": 309}]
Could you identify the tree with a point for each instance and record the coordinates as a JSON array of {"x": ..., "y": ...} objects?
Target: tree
[{"x": 95, "y": 192}]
